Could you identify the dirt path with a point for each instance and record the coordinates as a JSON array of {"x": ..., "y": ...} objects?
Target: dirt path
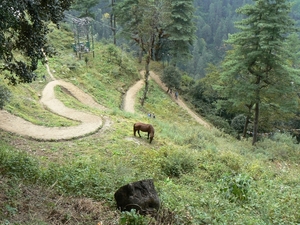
[
  {"x": 130, "y": 98},
  {"x": 89, "y": 123}
]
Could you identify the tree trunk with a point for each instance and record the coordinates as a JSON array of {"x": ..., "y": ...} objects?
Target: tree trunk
[
  {"x": 114, "y": 30},
  {"x": 146, "y": 78},
  {"x": 140, "y": 58},
  {"x": 249, "y": 106},
  {"x": 255, "y": 126},
  {"x": 246, "y": 126},
  {"x": 113, "y": 23}
]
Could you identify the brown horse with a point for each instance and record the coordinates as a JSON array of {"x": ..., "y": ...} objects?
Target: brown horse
[{"x": 145, "y": 128}]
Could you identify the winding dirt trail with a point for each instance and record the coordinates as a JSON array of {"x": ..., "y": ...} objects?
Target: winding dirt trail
[
  {"x": 130, "y": 98},
  {"x": 89, "y": 123}
]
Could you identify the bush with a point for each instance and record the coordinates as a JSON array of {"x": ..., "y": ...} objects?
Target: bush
[
  {"x": 133, "y": 218},
  {"x": 236, "y": 188},
  {"x": 220, "y": 123},
  {"x": 178, "y": 163},
  {"x": 238, "y": 123},
  {"x": 4, "y": 96},
  {"x": 171, "y": 77},
  {"x": 280, "y": 146},
  {"x": 19, "y": 165}
]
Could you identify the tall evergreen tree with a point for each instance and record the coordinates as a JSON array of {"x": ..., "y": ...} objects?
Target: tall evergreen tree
[
  {"x": 113, "y": 22},
  {"x": 182, "y": 29},
  {"x": 85, "y": 7},
  {"x": 256, "y": 74}
]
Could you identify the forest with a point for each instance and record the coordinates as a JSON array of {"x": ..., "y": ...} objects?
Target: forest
[
  {"x": 214, "y": 20},
  {"x": 211, "y": 23}
]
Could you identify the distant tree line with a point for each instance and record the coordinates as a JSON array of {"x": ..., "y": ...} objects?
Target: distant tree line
[{"x": 236, "y": 90}]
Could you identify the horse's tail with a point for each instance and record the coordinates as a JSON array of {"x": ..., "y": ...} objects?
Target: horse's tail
[
  {"x": 134, "y": 129},
  {"x": 151, "y": 133}
]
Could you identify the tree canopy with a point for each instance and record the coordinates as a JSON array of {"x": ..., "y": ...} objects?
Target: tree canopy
[
  {"x": 151, "y": 24},
  {"x": 85, "y": 7},
  {"x": 257, "y": 76},
  {"x": 171, "y": 77},
  {"x": 182, "y": 29},
  {"x": 141, "y": 22},
  {"x": 23, "y": 35}
]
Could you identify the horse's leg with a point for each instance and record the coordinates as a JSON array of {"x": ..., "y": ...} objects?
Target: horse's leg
[
  {"x": 139, "y": 133},
  {"x": 148, "y": 135}
]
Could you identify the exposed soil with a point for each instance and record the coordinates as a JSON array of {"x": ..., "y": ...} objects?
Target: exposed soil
[{"x": 89, "y": 123}]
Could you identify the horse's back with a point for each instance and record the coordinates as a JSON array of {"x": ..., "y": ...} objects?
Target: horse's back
[
  {"x": 138, "y": 124},
  {"x": 142, "y": 126}
]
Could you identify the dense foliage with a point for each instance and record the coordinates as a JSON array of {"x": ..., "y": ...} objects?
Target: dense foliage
[
  {"x": 171, "y": 78},
  {"x": 256, "y": 72},
  {"x": 213, "y": 19},
  {"x": 23, "y": 35}
]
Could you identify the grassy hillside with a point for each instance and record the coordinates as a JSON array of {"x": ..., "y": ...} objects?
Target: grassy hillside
[{"x": 202, "y": 176}]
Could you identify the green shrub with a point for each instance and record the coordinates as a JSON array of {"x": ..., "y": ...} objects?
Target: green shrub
[
  {"x": 178, "y": 163},
  {"x": 4, "y": 96},
  {"x": 238, "y": 123},
  {"x": 236, "y": 188},
  {"x": 280, "y": 146},
  {"x": 220, "y": 123},
  {"x": 18, "y": 164},
  {"x": 133, "y": 218}
]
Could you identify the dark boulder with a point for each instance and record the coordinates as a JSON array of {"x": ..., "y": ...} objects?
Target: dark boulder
[{"x": 140, "y": 195}]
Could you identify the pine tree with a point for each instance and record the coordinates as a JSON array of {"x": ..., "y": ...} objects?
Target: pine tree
[
  {"x": 257, "y": 77},
  {"x": 85, "y": 7},
  {"x": 181, "y": 29}
]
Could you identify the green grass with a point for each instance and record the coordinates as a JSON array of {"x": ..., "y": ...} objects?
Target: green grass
[{"x": 202, "y": 176}]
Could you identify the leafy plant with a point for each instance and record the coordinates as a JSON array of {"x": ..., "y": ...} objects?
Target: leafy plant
[
  {"x": 238, "y": 123},
  {"x": 236, "y": 188},
  {"x": 4, "y": 95},
  {"x": 171, "y": 77},
  {"x": 178, "y": 163},
  {"x": 220, "y": 123},
  {"x": 18, "y": 164},
  {"x": 133, "y": 218}
]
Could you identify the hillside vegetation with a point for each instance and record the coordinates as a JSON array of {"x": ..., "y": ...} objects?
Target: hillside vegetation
[{"x": 202, "y": 176}]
